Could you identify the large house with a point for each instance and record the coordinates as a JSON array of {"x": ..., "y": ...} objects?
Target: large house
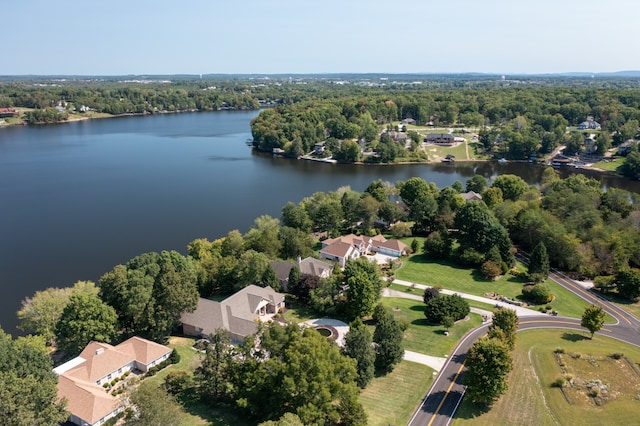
[
  {"x": 590, "y": 124},
  {"x": 239, "y": 313},
  {"x": 81, "y": 380},
  {"x": 351, "y": 246},
  {"x": 315, "y": 267},
  {"x": 440, "y": 139}
]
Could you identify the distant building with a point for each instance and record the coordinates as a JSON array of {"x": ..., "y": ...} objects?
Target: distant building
[
  {"x": 589, "y": 125},
  {"x": 8, "y": 112},
  {"x": 440, "y": 139}
]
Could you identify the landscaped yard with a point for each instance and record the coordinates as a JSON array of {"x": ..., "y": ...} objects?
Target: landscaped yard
[
  {"x": 392, "y": 399},
  {"x": 532, "y": 400},
  {"x": 422, "y": 337},
  {"x": 421, "y": 270}
]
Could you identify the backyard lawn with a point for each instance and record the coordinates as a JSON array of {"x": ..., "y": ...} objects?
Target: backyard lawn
[
  {"x": 422, "y": 337},
  {"x": 392, "y": 399},
  {"x": 531, "y": 398}
]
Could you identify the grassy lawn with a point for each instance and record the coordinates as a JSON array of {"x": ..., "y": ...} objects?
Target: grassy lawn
[
  {"x": 422, "y": 270},
  {"x": 609, "y": 165},
  {"x": 532, "y": 400},
  {"x": 392, "y": 399},
  {"x": 442, "y": 151},
  {"x": 422, "y": 337}
]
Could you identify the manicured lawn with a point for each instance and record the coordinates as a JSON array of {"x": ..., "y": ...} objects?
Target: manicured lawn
[
  {"x": 392, "y": 399},
  {"x": 532, "y": 400},
  {"x": 442, "y": 151},
  {"x": 422, "y": 270},
  {"x": 422, "y": 337}
]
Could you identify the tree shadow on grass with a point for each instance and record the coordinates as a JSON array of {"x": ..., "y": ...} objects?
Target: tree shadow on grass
[
  {"x": 421, "y": 321},
  {"x": 472, "y": 410},
  {"x": 417, "y": 308},
  {"x": 574, "y": 337}
]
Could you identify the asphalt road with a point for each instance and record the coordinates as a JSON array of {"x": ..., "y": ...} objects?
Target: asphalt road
[{"x": 447, "y": 391}]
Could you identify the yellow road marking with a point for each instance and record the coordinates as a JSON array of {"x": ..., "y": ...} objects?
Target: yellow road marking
[{"x": 445, "y": 395}]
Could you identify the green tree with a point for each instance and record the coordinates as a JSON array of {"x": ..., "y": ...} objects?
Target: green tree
[
  {"x": 363, "y": 279},
  {"x": 41, "y": 313},
  {"x": 233, "y": 244},
  {"x": 151, "y": 291},
  {"x": 28, "y": 394},
  {"x": 512, "y": 186},
  {"x": 294, "y": 243},
  {"x": 388, "y": 341},
  {"x": 506, "y": 320},
  {"x": 539, "y": 263},
  {"x": 287, "y": 419},
  {"x": 294, "y": 279},
  {"x": 358, "y": 345},
  {"x": 349, "y": 152},
  {"x": 295, "y": 216},
  {"x": 538, "y": 293},
  {"x": 477, "y": 184},
  {"x": 593, "y": 318},
  {"x": 488, "y": 363},
  {"x": 216, "y": 370},
  {"x": 628, "y": 283},
  {"x": 85, "y": 318},
  {"x": 631, "y": 166},
  {"x": 263, "y": 236},
  {"x": 453, "y": 306},
  {"x": 154, "y": 407}
]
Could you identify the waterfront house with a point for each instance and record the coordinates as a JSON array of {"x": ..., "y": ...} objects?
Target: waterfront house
[
  {"x": 351, "y": 246},
  {"x": 315, "y": 267},
  {"x": 445, "y": 139},
  {"x": 282, "y": 268},
  {"x": 590, "y": 124},
  {"x": 82, "y": 380},
  {"x": 239, "y": 313}
]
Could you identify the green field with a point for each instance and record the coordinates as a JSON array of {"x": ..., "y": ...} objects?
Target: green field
[
  {"x": 422, "y": 270},
  {"x": 532, "y": 400},
  {"x": 609, "y": 165},
  {"x": 392, "y": 399},
  {"x": 422, "y": 337}
]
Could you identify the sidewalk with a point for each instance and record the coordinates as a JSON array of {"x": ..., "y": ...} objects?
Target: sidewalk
[
  {"x": 431, "y": 361},
  {"x": 520, "y": 311}
]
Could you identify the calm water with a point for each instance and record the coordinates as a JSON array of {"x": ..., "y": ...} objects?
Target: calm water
[{"x": 78, "y": 198}]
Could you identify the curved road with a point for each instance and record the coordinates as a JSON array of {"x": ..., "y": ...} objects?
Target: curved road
[{"x": 446, "y": 392}]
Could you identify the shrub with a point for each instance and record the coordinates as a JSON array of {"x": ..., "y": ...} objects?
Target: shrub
[
  {"x": 177, "y": 381},
  {"x": 559, "y": 351},
  {"x": 105, "y": 385},
  {"x": 617, "y": 355},
  {"x": 538, "y": 293},
  {"x": 490, "y": 269},
  {"x": 560, "y": 382},
  {"x": 471, "y": 257},
  {"x": 174, "y": 357}
]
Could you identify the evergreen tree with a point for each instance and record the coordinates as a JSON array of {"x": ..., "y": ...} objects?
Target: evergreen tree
[
  {"x": 358, "y": 345},
  {"x": 539, "y": 263},
  {"x": 294, "y": 279},
  {"x": 388, "y": 339}
]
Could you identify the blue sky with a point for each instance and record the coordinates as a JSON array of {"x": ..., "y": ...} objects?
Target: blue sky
[{"x": 117, "y": 37}]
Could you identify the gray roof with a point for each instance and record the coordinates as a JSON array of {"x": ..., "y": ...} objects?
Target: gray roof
[
  {"x": 282, "y": 268},
  {"x": 315, "y": 267},
  {"x": 236, "y": 313}
]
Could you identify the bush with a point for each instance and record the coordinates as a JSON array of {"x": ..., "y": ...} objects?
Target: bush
[
  {"x": 560, "y": 382},
  {"x": 177, "y": 381},
  {"x": 559, "y": 351},
  {"x": 490, "y": 269},
  {"x": 537, "y": 293},
  {"x": 617, "y": 355},
  {"x": 471, "y": 257}
]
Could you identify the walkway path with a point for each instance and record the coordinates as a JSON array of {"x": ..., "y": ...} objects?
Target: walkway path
[{"x": 519, "y": 309}]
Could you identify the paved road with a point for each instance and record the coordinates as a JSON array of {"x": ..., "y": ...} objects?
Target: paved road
[{"x": 446, "y": 393}]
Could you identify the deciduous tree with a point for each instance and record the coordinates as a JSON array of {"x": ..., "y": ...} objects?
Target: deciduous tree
[
  {"x": 593, "y": 319},
  {"x": 358, "y": 345},
  {"x": 488, "y": 362}
]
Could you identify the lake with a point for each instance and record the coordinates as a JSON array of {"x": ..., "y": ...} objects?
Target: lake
[{"x": 78, "y": 198}]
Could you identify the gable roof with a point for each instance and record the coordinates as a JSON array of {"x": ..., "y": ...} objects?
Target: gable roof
[
  {"x": 100, "y": 360},
  {"x": 393, "y": 244},
  {"x": 339, "y": 249}
]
